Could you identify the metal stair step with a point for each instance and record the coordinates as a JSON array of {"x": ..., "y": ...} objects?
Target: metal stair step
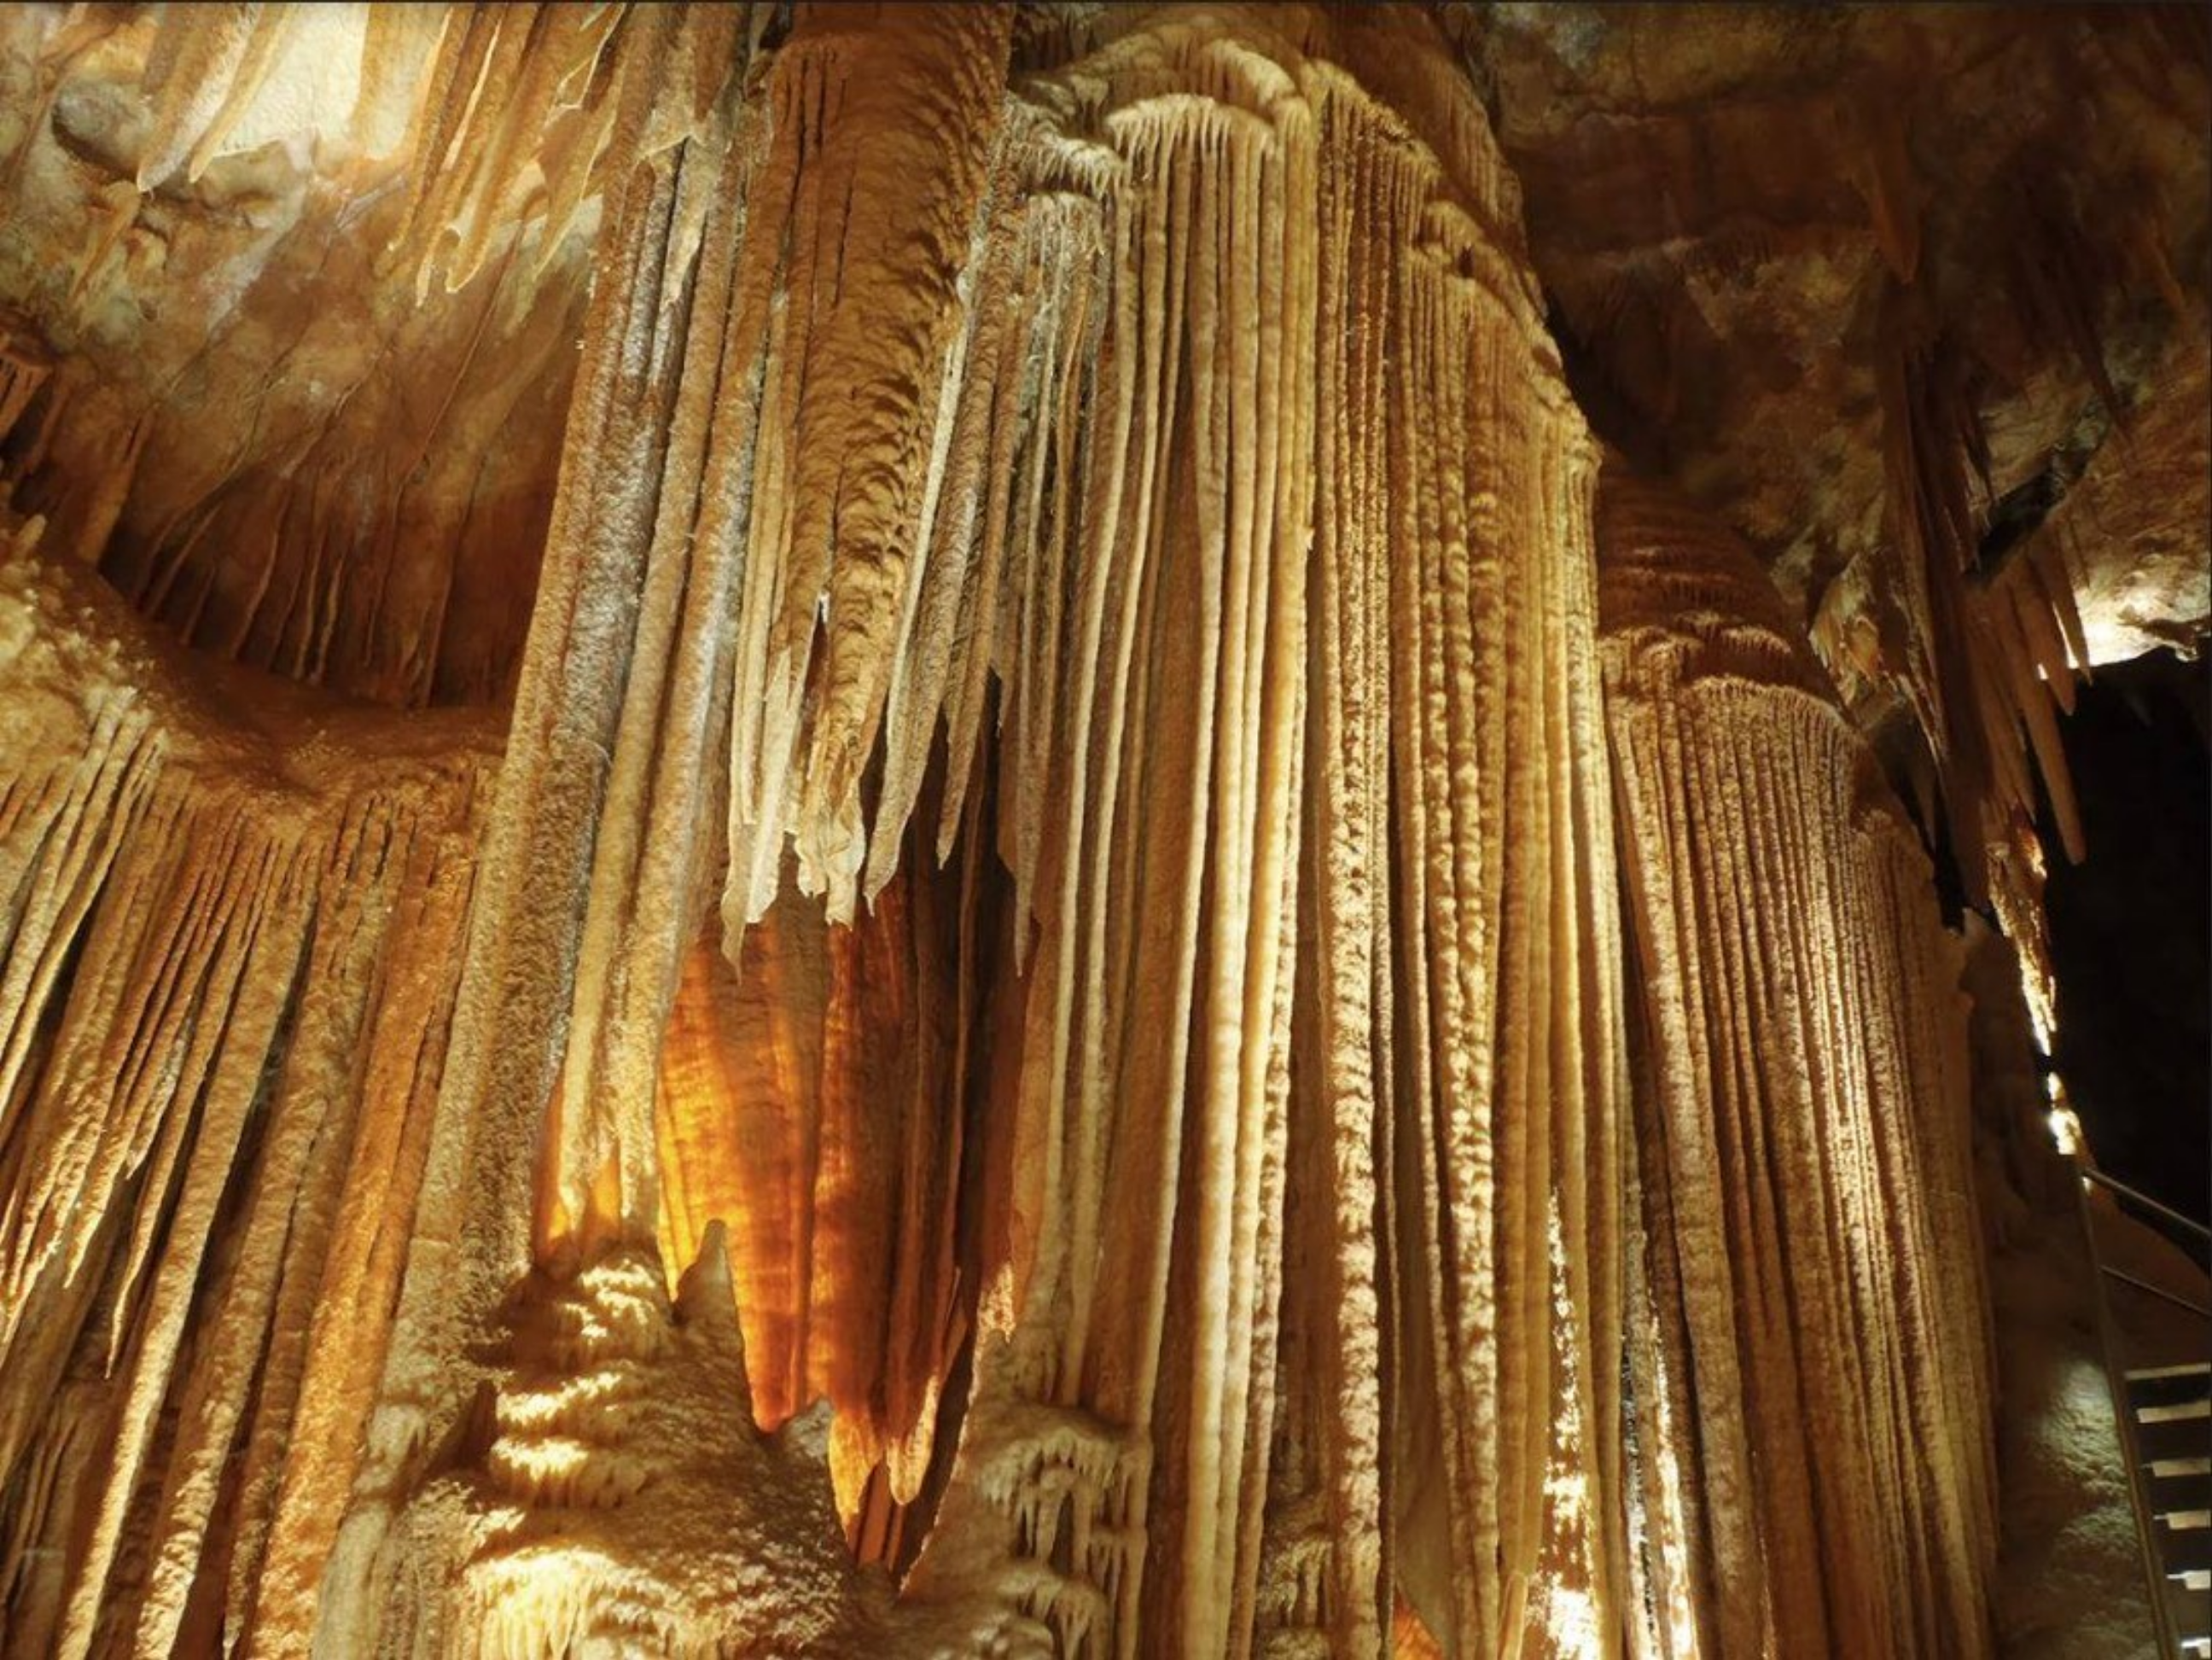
[
  {"x": 2168, "y": 1492},
  {"x": 2177, "y": 1411},
  {"x": 2172, "y": 1441},
  {"x": 2180, "y": 1549},
  {"x": 2167, "y": 1386},
  {"x": 2149, "y": 1403},
  {"x": 2189, "y": 1612},
  {"x": 2164, "y": 1419}
]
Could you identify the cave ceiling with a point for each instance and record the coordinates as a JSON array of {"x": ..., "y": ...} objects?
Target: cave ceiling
[
  {"x": 302, "y": 429},
  {"x": 1724, "y": 203}
]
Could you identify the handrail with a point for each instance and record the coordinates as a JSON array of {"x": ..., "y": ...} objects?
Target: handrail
[
  {"x": 2178, "y": 1301},
  {"x": 2089, "y": 1173},
  {"x": 2147, "y": 1551}
]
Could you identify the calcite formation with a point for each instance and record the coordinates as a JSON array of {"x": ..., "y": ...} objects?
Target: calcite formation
[
  {"x": 852, "y": 830},
  {"x": 1805, "y": 1172},
  {"x": 231, "y": 933}
]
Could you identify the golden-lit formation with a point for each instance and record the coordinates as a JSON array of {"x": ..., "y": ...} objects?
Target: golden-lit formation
[
  {"x": 232, "y": 922},
  {"x": 1114, "y": 494},
  {"x": 852, "y": 830},
  {"x": 1805, "y": 1178}
]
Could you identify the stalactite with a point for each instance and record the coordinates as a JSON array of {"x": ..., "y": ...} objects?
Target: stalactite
[
  {"x": 1880, "y": 160},
  {"x": 1030, "y": 1051},
  {"x": 225, "y": 934},
  {"x": 24, "y": 370},
  {"x": 345, "y": 483},
  {"x": 1810, "y": 1280},
  {"x": 830, "y": 1094},
  {"x": 1988, "y": 650}
]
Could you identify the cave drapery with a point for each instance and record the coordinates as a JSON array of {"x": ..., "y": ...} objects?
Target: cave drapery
[{"x": 1121, "y": 969}]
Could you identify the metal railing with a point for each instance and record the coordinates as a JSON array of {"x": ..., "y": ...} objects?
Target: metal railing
[{"x": 2116, "y": 1378}]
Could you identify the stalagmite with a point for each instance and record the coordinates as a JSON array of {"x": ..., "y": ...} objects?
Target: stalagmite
[
  {"x": 850, "y": 829},
  {"x": 1809, "y": 1288}
]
